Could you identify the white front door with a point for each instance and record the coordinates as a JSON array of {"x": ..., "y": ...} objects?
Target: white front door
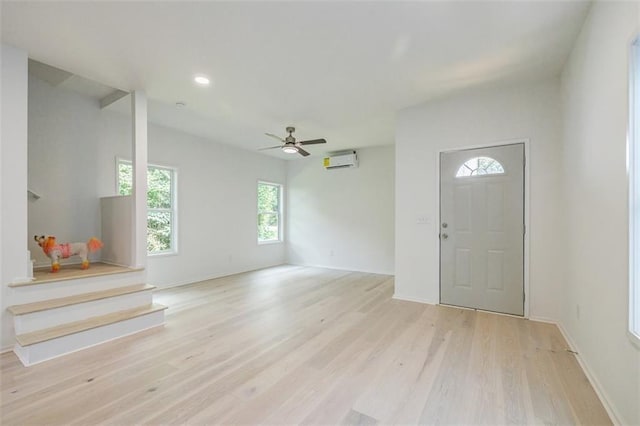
[{"x": 482, "y": 228}]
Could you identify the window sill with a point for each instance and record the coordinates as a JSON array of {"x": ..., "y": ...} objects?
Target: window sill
[
  {"x": 163, "y": 254},
  {"x": 260, "y": 243}
]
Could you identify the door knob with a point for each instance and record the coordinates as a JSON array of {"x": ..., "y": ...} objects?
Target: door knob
[
  {"x": 444, "y": 224},
  {"x": 445, "y": 236}
]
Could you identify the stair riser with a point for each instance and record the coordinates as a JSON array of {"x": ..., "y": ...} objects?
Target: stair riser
[
  {"x": 53, "y": 290},
  {"x": 66, "y": 314},
  {"x": 39, "y": 352}
]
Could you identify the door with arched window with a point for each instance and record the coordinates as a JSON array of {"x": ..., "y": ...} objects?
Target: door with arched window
[{"x": 482, "y": 228}]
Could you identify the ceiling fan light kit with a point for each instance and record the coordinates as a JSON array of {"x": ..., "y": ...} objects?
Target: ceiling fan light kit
[{"x": 289, "y": 144}]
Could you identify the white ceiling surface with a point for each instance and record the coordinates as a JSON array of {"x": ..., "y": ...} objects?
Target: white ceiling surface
[{"x": 338, "y": 70}]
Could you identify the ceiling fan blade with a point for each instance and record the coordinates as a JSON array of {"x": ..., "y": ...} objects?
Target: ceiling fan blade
[
  {"x": 312, "y": 142},
  {"x": 303, "y": 152},
  {"x": 270, "y": 147},
  {"x": 275, "y": 136}
]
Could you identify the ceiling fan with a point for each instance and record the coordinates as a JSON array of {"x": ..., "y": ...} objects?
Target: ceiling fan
[{"x": 289, "y": 144}]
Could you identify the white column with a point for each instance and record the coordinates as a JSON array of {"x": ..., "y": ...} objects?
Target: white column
[
  {"x": 13, "y": 177},
  {"x": 139, "y": 112}
]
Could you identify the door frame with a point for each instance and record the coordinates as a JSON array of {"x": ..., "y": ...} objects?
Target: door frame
[{"x": 527, "y": 167}]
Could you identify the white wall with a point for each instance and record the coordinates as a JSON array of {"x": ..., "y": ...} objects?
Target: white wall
[
  {"x": 216, "y": 185},
  {"x": 13, "y": 177},
  {"x": 477, "y": 118},
  {"x": 217, "y": 196},
  {"x": 595, "y": 108},
  {"x": 343, "y": 218},
  {"x": 65, "y": 136}
]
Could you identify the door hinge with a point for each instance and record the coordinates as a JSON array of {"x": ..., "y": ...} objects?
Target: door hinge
[
  {"x": 524, "y": 229},
  {"x": 524, "y": 161}
]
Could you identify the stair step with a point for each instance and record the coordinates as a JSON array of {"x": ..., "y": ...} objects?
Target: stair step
[
  {"x": 20, "y": 295},
  {"x": 44, "y": 305},
  {"x": 44, "y": 335}
]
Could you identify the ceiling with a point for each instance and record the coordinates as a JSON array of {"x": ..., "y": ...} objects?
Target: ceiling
[{"x": 337, "y": 70}]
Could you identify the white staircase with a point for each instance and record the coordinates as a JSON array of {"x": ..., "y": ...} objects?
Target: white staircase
[{"x": 53, "y": 317}]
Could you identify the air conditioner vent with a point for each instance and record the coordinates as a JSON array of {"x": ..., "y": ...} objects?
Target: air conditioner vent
[{"x": 341, "y": 160}]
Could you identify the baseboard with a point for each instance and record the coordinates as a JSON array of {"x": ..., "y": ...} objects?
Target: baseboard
[
  {"x": 211, "y": 277},
  {"x": 412, "y": 299},
  {"x": 47, "y": 264},
  {"x": 216, "y": 276},
  {"x": 313, "y": 265},
  {"x": 122, "y": 265},
  {"x": 543, "y": 319},
  {"x": 597, "y": 387},
  {"x": 7, "y": 349}
]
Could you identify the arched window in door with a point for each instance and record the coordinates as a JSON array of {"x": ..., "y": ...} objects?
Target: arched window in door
[{"x": 479, "y": 166}]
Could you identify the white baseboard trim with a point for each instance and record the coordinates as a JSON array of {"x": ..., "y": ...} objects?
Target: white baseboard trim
[
  {"x": 543, "y": 319},
  {"x": 181, "y": 283},
  {"x": 597, "y": 387},
  {"x": 122, "y": 265},
  {"x": 313, "y": 265},
  {"x": 160, "y": 287},
  {"x": 7, "y": 349},
  {"x": 47, "y": 264},
  {"x": 412, "y": 299}
]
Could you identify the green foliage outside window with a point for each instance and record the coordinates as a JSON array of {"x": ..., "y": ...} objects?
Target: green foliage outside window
[
  {"x": 268, "y": 212},
  {"x": 159, "y": 204},
  {"x": 159, "y": 194},
  {"x": 125, "y": 178}
]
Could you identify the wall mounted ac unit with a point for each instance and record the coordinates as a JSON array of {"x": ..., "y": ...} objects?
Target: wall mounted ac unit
[{"x": 341, "y": 160}]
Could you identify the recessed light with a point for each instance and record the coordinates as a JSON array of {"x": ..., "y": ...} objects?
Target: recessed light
[{"x": 201, "y": 80}]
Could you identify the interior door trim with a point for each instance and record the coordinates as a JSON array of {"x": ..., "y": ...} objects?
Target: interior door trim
[{"x": 527, "y": 192}]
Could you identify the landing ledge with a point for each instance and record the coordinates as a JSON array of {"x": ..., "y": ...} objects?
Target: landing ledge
[{"x": 73, "y": 272}]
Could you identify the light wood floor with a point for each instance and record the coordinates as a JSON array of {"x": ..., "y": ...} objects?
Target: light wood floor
[{"x": 292, "y": 345}]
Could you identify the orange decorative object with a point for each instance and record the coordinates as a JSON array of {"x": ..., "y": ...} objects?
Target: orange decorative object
[
  {"x": 55, "y": 251},
  {"x": 94, "y": 244}
]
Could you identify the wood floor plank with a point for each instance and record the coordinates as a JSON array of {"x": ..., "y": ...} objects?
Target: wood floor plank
[
  {"x": 356, "y": 418},
  {"x": 298, "y": 345},
  {"x": 451, "y": 378},
  {"x": 359, "y": 363},
  {"x": 485, "y": 372},
  {"x": 388, "y": 388}
]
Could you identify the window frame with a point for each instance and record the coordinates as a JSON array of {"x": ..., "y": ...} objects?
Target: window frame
[
  {"x": 279, "y": 213},
  {"x": 173, "y": 211},
  {"x": 471, "y": 175},
  {"x": 633, "y": 169}
]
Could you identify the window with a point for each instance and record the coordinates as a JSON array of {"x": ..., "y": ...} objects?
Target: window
[
  {"x": 634, "y": 193},
  {"x": 269, "y": 212},
  {"x": 161, "y": 205},
  {"x": 480, "y": 166}
]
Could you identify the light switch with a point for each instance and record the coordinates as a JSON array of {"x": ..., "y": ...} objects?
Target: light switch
[{"x": 423, "y": 220}]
